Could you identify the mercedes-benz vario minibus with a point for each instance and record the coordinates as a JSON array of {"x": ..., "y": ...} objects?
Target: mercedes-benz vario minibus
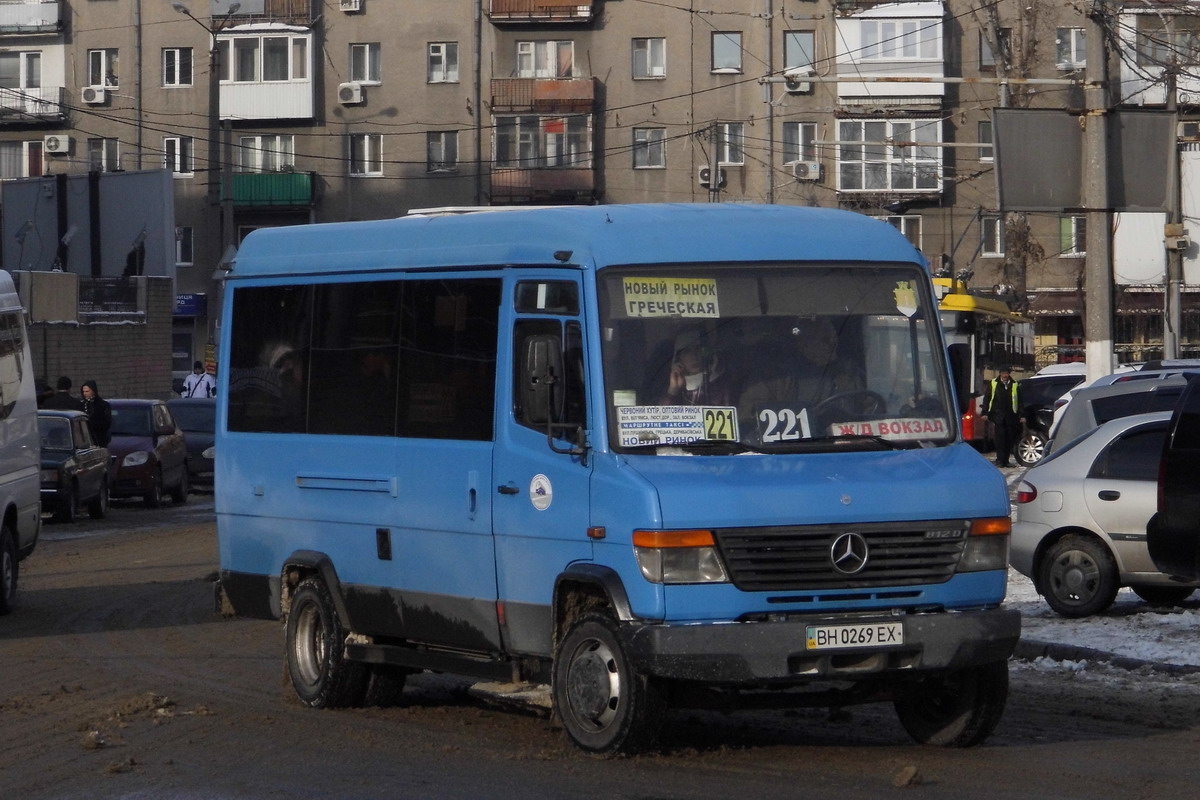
[{"x": 651, "y": 455}]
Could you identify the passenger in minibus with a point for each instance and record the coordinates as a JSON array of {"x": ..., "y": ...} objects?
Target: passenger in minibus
[{"x": 697, "y": 375}]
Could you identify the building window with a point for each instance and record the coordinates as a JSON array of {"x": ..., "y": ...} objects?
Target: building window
[
  {"x": 1001, "y": 51},
  {"x": 441, "y": 151},
  {"x": 276, "y": 58},
  {"x": 1070, "y": 48},
  {"x": 177, "y": 66},
  {"x": 528, "y": 142},
  {"x": 986, "y": 152},
  {"x": 21, "y": 70},
  {"x": 366, "y": 154},
  {"x": 364, "y": 63},
  {"x": 901, "y": 39},
  {"x": 102, "y": 67},
  {"x": 799, "y": 49},
  {"x": 727, "y": 51},
  {"x": 649, "y": 148},
  {"x": 22, "y": 160},
  {"x": 104, "y": 155},
  {"x": 1171, "y": 40},
  {"x": 184, "y": 256},
  {"x": 1072, "y": 236},
  {"x": 178, "y": 155},
  {"x": 875, "y": 166},
  {"x": 545, "y": 59},
  {"x": 649, "y": 58},
  {"x": 443, "y": 62},
  {"x": 266, "y": 153},
  {"x": 730, "y": 150},
  {"x": 908, "y": 224},
  {"x": 991, "y": 228},
  {"x": 799, "y": 141}
]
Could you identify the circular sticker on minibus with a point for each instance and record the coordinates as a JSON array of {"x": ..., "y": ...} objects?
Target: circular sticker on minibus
[{"x": 541, "y": 492}]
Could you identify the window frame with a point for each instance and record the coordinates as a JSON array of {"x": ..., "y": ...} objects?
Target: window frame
[
  {"x": 1072, "y": 236},
  {"x": 184, "y": 62},
  {"x": 991, "y": 235},
  {"x": 722, "y": 46},
  {"x": 185, "y": 246},
  {"x": 986, "y": 153},
  {"x": 803, "y": 147},
  {"x": 365, "y": 155},
  {"x": 233, "y": 58},
  {"x": 179, "y": 155},
  {"x": 649, "y": 58},
  {"x": 440, "y": 140},
  {"x": 919, "y": 39},
  {"x": 534, "y": 57},
  {"x": 731, "y": 149},
  {"x": 31, "y": 149},
  {"x": 876, "y": 156},
  {"x": 792, "y": 43},
  {"x": 103, "y": 64},
  {"x": 438, "y": 66},
  {"x": 100, "y": 151},
  {"x": 650, "y": 148},
  {"x": 252, "y": 147},
  {"x": 987, "y": 55},
  {"x": 366, "y": 63},
  {"x": 1072, "y": 54}
]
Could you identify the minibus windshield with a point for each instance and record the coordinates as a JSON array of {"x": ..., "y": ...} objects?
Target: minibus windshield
[{"x": 730, "y": 359}]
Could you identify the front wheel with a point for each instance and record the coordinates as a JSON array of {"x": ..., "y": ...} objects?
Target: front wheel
[
  {"x": 605, "y": 705},
  {"x": 1078, "y": 576},
  {"x": 179, "y": 494},
  {"x": 1031, "y": 448},
  {"x": 8, "y": 570},
  {"x": 316, "y": 641},
  {"x": 68, "y": 504},
  {"x": 98, "y": 507},
  {"x": 959, "y": 709},
  {"x": 153, "y": 497}
]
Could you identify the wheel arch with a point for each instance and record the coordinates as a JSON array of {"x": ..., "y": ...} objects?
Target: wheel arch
[
  {"x": 1053, "y": 538},
  {"x": 584, "y": 587},
  {"x": 305, "y": 563}
]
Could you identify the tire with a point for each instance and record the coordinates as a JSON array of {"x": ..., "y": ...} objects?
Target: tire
[
  {"x": 9, "y": 570},
  {"x": 1078, "y": 576},
  {"x": 153, "y": 498},
  {"x": 1031, "y": 448},
  {"x": 605, "y": 706},
  {"x": 384, "y": 685},
  {"x": 179, "y": 494},
  {"x": 68, "y": 504},
  {"x": 98, "y": 506},
  {"x": 1163, "y": 595},
  {"x": 959, "y": 709},
  {"x": 316, "y": 642}
]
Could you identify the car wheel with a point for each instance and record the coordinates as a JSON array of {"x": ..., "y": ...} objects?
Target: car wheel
[
  {"x": 605, "y": 705},
  {"x": 153, "y": 498},
  {"x": 320, "y": 674},
  {"x": 1163, "y": 595},
  {"x": 9, "y": 569},
  {"x": 959, "y": 709},
  {"x": 179, "y": 494},
  {"x": 1031, "y": 448},
  {"x": 1078, "y": 576},
  {"x": 68, "y": 504},
  {"x": 385, "y": 685},
  {"x": 98, "y": 507}
]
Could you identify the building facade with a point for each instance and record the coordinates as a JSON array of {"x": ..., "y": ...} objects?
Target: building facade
[{"x": 283, "y": 112}]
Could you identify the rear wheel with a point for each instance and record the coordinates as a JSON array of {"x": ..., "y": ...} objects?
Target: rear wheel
[
  {"x": 604, "y": 704},
  {"x": 153, "y": 497},
  {"x": 316, "y": 641},
  {"x": 1031, "y": 448},
  {"x": 385, "y": 685},
  {"x": 98, "y": 507},
  {"x": 8, "y": 570},
  {"x": 68, "y": 504},
  {"x": 1163, "y": 595},
  {"x": 959, "y": 709},
  {"x": 1078, "y": 576}
]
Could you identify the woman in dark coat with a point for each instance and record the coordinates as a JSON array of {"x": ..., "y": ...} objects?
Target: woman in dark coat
[{"x": 98, "y": 412}]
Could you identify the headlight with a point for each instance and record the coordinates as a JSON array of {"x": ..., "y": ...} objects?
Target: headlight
[
  {"x": 209, "y": 452},
  {"x": 135, "y": 459},
  {"x": 987, "y": 545},
  {"x": 678, "y": 557}
]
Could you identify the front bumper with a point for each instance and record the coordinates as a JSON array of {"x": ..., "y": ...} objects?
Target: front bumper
[{"x": 758, "y": 653}]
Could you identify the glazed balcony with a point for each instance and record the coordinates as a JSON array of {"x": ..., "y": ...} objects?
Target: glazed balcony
[
  {"x": 562, "y": 95},
  {"x": 550, "y": 11},
  {"x": 24, "y": 17},
  {"x": 31, "y": 105}
]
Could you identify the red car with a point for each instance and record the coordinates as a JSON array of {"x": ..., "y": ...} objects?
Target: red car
[{"x": 149, "y": 454}]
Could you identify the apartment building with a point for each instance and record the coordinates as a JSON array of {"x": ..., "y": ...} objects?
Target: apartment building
[{"x": 328, "y": 110}]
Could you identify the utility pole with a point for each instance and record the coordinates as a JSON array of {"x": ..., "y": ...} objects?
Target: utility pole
[
  {"x": 1172, "y": 308},
  {"x": 1098, "y": 273}
]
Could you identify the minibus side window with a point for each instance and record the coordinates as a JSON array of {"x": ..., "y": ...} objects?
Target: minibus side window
[{"x": 268, "y": 359}]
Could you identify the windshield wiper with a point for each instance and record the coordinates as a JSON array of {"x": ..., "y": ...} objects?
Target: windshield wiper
[
  {"x": 833, "y": 443},
  {"x": 717, "y": 446}
]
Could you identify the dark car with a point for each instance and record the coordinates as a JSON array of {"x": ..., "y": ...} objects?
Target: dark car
[
  {"x": 197, "y": 416},
  {"x": 1173, "y": 533},
  {"x": 74, "y": 466},
  {"x": 149, "y": 454},
  {"x": 1037, "y": 407}
]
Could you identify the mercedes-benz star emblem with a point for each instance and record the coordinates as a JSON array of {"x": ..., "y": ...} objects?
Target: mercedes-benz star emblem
[{"x": 848, "y": 553}]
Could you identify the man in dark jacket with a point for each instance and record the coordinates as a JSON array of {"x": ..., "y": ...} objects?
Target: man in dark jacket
[
  {"x": 62, "y": 399},
  {"x": 1002, "y": 405}
]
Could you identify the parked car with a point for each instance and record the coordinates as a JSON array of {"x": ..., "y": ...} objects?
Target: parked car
[
  {"x": 197, "y": 417},
  {"x": 1095, "y": 405},
  {"x": 74, "y": 466},
  {"x": 1038, "y": 394},
  {"x": 1173, "y": 535},
  {"x": 1080, "y": 529},
  {"x": 1125, "y": 373},
  {"x": 149, "y": 452}
]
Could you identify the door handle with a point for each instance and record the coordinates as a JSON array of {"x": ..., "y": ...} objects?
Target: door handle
[
  {"x": 508, "y": 488},
  {"x": 1109, "y": 494}
]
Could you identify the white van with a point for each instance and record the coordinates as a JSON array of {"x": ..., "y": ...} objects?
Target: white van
[{"x": 20, "y": 447}]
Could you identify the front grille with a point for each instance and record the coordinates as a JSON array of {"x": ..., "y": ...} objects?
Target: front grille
[{"x": 797, "y": 558}]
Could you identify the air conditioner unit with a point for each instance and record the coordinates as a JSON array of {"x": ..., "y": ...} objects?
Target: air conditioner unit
[
  {"x": 350, "y": 5},
  {"x": 350, "y": 94},
  {"x": 94, "y": 95},
  {"x": 56, "y": 143},
  {"x": 793, "y": 80},
  {"x": 704, "y": 176},
  {"x": 807, "y": 170}
]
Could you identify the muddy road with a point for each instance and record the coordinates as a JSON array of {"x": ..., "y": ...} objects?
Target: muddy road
[{"x": 117, "y": 680}]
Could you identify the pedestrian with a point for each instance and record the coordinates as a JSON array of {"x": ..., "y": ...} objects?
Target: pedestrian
[
  {"x": 98, "y": 412},
  {"x": 1002, "y": 405},
  {"x": 199, "y": 383},
  {"x": 62, "y": 399}
]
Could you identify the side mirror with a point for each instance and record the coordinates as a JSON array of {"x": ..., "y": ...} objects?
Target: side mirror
[
  {"x": 960, "y": 374},
  {"x": 542, "y": 387}
]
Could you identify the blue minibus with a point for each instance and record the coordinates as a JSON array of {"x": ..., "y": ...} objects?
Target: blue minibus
[{"x": 654, "y": 456}]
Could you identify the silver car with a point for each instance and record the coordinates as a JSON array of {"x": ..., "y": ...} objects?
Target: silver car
[{"x": 1080, "y": 530}]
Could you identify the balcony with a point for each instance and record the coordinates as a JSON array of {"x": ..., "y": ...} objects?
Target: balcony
[
  {"x": 24, "y": 17},
  {"x": 274, "y": 189},
  {"x": 31, "y": 105},
  {"x": 287, "y": 12},
  {"x": 543, "y": 185},
  {"x": 554, "y": 11},
  {"x": 560, "y": 95}
]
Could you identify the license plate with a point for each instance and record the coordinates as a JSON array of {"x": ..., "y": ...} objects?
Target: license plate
[{"x": 874, "y": 634}]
